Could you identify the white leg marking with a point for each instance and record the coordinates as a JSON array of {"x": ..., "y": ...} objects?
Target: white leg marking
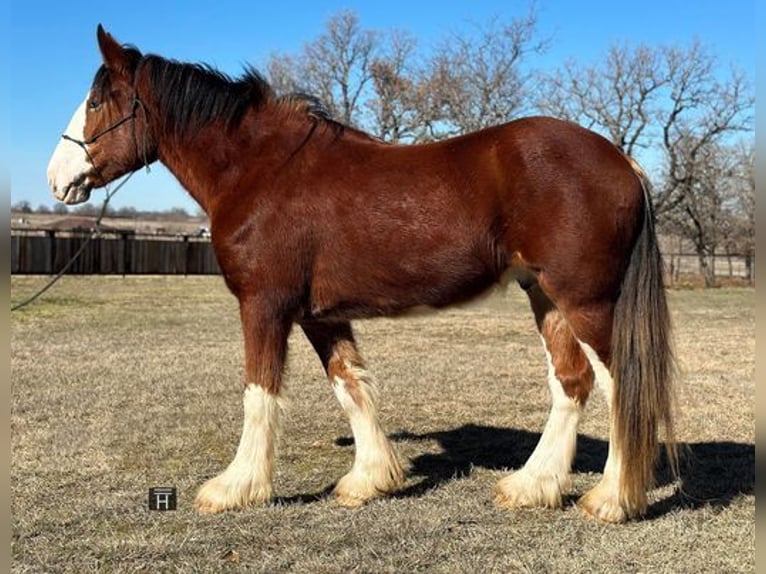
[
  {"x": 603, "y": 500},
  {"x": 603, "y": 376},
  {"x": 248, "y": 478},
  {"x": 545, "y": 476},
  {"x": 376, "y": 470},
  {"x": 69, "y": 163}
]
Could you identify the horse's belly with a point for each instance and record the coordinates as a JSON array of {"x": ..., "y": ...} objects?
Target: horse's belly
[{"x": 397, "y": 290}]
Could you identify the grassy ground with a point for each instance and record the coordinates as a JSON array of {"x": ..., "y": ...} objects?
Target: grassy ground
[{"x": 120, "y": 384}]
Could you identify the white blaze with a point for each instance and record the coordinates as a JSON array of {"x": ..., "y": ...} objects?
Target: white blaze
[{"x": 69, "y": 164}]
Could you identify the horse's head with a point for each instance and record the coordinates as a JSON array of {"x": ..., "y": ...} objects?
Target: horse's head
[{"x": 108, "y": 136}]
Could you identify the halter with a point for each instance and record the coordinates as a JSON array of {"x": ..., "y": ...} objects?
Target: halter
[{"x": 135, "y": 104}]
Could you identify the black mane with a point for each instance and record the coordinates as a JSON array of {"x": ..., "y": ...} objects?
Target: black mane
[{"x": 195, "y": 95}]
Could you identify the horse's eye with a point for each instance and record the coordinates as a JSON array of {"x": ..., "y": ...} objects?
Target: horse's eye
[{"x": 94, "y": 105}]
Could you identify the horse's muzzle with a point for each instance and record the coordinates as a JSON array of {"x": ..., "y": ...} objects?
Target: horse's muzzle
[{"x": 76, "y": 192}]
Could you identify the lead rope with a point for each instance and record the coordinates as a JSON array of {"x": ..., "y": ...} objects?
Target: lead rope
[{"x": 96, "y": 233}]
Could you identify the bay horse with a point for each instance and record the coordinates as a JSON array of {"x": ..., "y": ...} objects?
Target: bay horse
[{"x": 316, "y": 223}]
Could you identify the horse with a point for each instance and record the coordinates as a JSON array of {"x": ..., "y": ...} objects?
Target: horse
[{"x": 317, "y": 223}]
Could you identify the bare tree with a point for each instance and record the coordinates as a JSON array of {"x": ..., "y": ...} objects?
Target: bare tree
[
  {"x": 284, "y": 73},
  {"x": 374, "y": 80},
  {"x": 619, "y": 98},
  {"x": 699, "y": 215},
  {"x": 477, "y": 79},
  {"x": 702, "y": 111},
  {"x": 336, "y": 67},
  {"x": 740, "y": 229},
  {"x": 22, "y": 207},
  {"x": 717, "y": 212},
  {"x": 393, "y": 104},
  {"x": 364, "y": 78}
]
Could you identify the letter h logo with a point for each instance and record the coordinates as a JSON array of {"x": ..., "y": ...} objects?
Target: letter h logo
[{"x": 162, "y": 498}]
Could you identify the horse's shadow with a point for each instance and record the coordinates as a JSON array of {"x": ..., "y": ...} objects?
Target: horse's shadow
[{"x": 711, "y": 474}]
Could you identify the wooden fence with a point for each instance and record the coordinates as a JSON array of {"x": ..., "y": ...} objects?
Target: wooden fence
[
  {"x": 682, "y": 266},
  {"x": 115, "y": 253},
  {"x": 126, "y": 253}
]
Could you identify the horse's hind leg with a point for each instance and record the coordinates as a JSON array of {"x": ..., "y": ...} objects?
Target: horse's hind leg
[
  {"x": 545, "y": 477},
  {"x": 376, "y": 470},
  {"x": 603, "y": 500}
]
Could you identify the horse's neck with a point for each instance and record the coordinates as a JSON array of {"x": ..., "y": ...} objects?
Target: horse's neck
[
  {"x": 214, "y": 160},
  {"x": 191, "y": 167}
]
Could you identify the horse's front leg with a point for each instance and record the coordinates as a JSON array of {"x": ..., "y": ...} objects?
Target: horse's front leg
[
  {"x": 376, "y": 470},
  {"x": 248, "y": 478}
]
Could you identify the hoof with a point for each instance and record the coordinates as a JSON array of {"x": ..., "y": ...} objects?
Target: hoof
[
  {"x": 352, "y": 494},
  {"x": 523, "y": 490},
  {"x": 602, "y": 505},
  {"x": 357, "y": 488},
  {"x": 220, "y": 493}
]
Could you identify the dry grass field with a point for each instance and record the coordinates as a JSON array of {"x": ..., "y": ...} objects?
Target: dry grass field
[{"x": 121, "y": 384}]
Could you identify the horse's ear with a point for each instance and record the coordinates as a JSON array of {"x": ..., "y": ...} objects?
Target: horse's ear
[{"x": 114, "y": 55}]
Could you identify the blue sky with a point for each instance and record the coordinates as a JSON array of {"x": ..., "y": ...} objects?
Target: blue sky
[{"x": 53, "y": 53}]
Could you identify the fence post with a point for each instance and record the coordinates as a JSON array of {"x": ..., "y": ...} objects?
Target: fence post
[
  {"x": 125, "y": 253},
  {"x": 50, "y": 235},
  {"x": 186, "y": 255}
]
